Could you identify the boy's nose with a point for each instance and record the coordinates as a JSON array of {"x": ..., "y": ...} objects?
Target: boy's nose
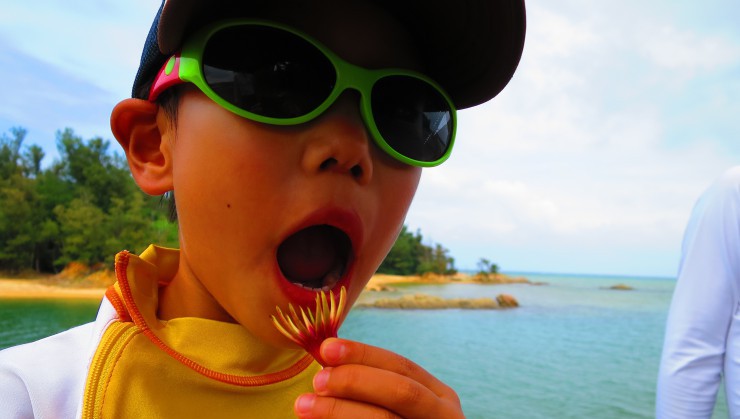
[{"x": 338, "y": 142}]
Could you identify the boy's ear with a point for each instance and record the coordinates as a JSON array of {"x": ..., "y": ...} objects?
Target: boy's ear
[{"x": 145, "y": 139}]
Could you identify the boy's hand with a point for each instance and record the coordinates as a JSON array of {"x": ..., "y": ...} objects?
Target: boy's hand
[{"x": 363, "y": 381}]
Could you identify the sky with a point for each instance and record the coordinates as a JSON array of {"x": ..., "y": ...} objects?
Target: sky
[{"x": 621, "y": 113}]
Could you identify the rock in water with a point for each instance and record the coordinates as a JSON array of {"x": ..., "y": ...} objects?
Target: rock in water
[{"x": 507, "y": 301}]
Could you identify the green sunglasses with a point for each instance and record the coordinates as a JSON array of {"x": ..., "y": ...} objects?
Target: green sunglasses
[{"x": 274, "y": 74}]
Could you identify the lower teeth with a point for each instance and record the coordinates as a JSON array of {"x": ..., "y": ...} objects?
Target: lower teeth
[{"x": 330, "y": 280}]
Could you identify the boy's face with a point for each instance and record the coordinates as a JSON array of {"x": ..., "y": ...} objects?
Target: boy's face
[{"x": 255, "y": 202}]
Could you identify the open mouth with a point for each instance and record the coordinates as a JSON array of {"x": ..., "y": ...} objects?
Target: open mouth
[{"x": 316, "y": 257}]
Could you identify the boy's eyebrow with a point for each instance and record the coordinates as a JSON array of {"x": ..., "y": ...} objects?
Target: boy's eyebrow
[{"x": 472, "y": 48}]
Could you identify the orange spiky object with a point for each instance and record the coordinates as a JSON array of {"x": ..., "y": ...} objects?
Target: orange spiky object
[{"x": 309, "y": 329}]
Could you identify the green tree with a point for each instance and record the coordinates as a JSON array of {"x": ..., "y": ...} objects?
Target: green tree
[
  {"x": 81, "y": 225},
  {"x": 47, "y": 248},
  {"x": 409, "y": 256},
  {"x": 127, "y": 226},
  {"x": 25, "y": 231},
  {"x": 17, "y": 223},
  {"x": 96, "y": 173},
  {"x": 436, "y": 259},
  {"x": 486, "y": 268},
  {"x": 403, "y": 258},
  {"x": 10, "y": 148},
  {"x": 53, "y": 190},
  {"x": 165, "y": 232},
  {"x": 32, "y": 158},
  {"x": 83, "y": 207}
]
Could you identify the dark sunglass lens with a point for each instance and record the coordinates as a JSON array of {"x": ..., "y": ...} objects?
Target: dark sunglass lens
[
  {"x": 267, "y": 71},
  {"x": 413, "y": 117}
]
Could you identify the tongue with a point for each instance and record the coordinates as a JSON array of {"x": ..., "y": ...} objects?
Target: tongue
[{"x": 309, "y": 255}]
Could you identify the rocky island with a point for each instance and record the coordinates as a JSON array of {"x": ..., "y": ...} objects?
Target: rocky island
[{"x": 431, "y": 302}]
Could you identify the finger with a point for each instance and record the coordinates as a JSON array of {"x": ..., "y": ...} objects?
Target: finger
[
  {"x": 392, "y": 391},
  {"x": 310, "y": 406},
  {"x": 341, "y": 351}
]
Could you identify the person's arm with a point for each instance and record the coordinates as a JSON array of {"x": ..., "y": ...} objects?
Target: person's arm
[
  {"x": 703, "y": 305},
  {"x": 46, "y": 378},
  {"x": 15, "y": 402},
  {"x": 363, "y": 381}
]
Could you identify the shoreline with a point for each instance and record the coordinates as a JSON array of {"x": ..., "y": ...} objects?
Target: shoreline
[
  {"x": 44, "y": 288},
  {"x": 41, "y": 289}
]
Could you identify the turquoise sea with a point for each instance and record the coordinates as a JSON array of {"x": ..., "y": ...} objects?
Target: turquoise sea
[{"x": 574, "y": 349}]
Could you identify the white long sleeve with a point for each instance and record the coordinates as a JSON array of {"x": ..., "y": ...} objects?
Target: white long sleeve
[
  {"x": 45, "y": 379},
  {"x": 702, "y": 340}
]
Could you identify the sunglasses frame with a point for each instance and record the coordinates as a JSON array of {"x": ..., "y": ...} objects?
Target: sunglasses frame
[{"x": 186, "y": 67}]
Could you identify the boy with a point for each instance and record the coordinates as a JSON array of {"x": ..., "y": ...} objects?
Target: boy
[{"x": 290, "y": 179}]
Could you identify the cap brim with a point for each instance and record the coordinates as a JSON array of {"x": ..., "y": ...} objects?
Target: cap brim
[{"x": 471, "y": 48}]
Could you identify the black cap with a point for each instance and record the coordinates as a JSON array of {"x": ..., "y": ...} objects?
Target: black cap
[{"x": 470, "y": 47}]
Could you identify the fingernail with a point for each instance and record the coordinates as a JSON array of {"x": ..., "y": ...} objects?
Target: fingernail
[
  {"x": 333, "y": 351},
  {"x": 304, "y": 403},
  {"x": 320, "y": 380}
]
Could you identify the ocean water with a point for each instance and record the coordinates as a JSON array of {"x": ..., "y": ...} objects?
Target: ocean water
[
  {"x": 26, "y": 320},
  {"x": 574, "y": 349}
]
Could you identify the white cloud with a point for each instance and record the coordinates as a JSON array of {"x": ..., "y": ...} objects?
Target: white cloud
[
  {"x": 578, "y": 152},
  {"x": 99, "y": 41},
  {"x": 688, "y": 52},
  {"x": 558, "y": 36}
]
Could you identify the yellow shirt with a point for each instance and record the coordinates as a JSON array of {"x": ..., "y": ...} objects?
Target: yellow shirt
[{"x": 185, "y": 367}]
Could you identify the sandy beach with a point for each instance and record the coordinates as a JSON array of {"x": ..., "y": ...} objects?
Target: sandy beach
[
  {"x": 43, "y": 288},
  {"x": 47, "y": 288},
  {"x": 40, "y": 288}
]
